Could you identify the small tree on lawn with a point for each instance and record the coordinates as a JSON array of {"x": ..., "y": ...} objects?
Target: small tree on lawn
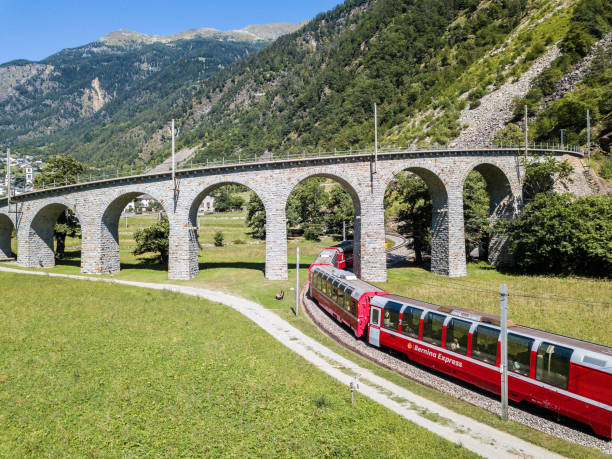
[
  {"x": 218, "y": 238},
  {"x": 154, "y": 239}
]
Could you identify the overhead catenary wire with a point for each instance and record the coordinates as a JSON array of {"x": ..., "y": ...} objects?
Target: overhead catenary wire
[{"x": 517, "y": 295}]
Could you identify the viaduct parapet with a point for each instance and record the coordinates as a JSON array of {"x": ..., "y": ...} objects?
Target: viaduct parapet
[{"x": 99, "y": 204}]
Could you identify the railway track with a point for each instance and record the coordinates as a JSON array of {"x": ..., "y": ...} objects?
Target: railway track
[{"x": 527, "y": 414}]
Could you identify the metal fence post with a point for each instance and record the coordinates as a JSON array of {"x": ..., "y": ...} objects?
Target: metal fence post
[
  {"x": 504, "y": 350},
  {"x": 297, "y": 283}
]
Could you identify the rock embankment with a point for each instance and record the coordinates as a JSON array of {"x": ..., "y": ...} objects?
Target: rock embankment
[
  {"x": 569, "y": 81},
  {"x": 495, "y": 108}
]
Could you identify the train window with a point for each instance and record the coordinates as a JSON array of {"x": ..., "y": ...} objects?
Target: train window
[
  {"x": 411, "y": 320},
  {"x": 391, "y": 319},
  {"x": 354, "y": 306},
  {"x": 432, "y": 328},
  {"x": 375, "y": 316},
  {"x": 457, "y": 334},
  {"x": 552, "y": 364},
  {"x": 519, "y": 354},
  {"x": 347, "y": 302},
  {"x": 484, "y": 344}
]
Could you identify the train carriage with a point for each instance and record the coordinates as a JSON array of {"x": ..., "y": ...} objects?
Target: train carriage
[
  {"x": 562, "y": 374},
  {"x": 565, "y": 375},
  {"x": 342, "y": 295}
]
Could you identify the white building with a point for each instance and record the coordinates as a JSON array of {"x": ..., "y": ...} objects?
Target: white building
[{"x": 208, "y": 205}]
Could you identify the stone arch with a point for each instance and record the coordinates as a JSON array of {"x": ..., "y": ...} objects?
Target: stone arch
[
  {"x": 6, "y": 229},
  {"x": 36, "y": 240},
  {"x": 440, "y": 239},
  {"x": 503, "y": 204},
  {"x": 357, "y": 205},
  {"x": 346, "y": 184},
  {"x": 108, "y": 258},
  {"x": 192, "y": 216}
]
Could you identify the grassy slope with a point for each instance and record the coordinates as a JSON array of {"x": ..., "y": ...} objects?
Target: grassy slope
[
  {"x": 110, "y": 370},
  {"x": 239, "y": 269}
]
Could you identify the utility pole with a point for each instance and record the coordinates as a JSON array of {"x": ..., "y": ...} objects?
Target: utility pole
[
  {"x": 343, "y": 230},
  {"x": 173, "y": 158},
  {"x": 297, "y": 283},
  {"x": 561, "y": 130},
  {"x": 8, "y": 176},
  {"x": 375, "y": 139},
  {"x": 526, "y": 131},
  {"x": 504, "y": 350},
  {"x": 588, "y": 139}
]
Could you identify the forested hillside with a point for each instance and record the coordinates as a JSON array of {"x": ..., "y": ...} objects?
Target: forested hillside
[
  {"x": 426, "y": 63},
  {"x": 442, "y": 72}
]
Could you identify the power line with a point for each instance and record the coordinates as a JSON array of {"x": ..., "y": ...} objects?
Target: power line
[{"x": 518, "y": 295}]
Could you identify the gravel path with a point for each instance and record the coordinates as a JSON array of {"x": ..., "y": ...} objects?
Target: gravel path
[
  {"x": 477, "y": 437},
  {"x": 531, "y": 416}
]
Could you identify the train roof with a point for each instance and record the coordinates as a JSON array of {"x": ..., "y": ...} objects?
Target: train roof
[
  {"x": 347, "y": 279},
  {"x": 593, "y": 355},
  {"x": 343, "y": 245}
]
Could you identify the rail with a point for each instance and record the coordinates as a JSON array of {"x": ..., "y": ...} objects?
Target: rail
[{"x": 271, "y": 157}]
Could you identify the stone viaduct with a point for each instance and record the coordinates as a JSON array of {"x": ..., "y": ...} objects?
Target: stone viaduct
[{"x": 99, "y": 204}]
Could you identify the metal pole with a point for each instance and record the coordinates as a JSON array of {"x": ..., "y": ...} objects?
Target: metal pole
[
  {"x": 126, "y": 221},
  {"x": 375, "y": 139},
  {"x": 297, "y": 283},
  {"x": 343, "y": 230},
  {"x": 526, "y": 131},
  {"x": 562, "y": 138},
  {"x": 8, "y": 175},
  {"x": 173, "y": 159},
  {"x": 504, "y": 350},
  {"x": 588, "y": 139}
]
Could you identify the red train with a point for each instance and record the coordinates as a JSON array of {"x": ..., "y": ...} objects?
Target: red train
[{"x": 562, "y": 374}]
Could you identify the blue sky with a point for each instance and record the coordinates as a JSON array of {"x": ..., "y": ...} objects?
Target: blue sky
[{"x": 35, "y": 29}]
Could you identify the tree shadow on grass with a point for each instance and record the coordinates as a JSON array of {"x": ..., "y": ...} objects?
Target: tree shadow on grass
[
  {"x": 256, "y": 266},
  {"x": 151, "y": 263},
  {"x": 71, "y": 258}
]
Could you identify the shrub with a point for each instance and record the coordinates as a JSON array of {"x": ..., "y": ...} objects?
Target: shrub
[
  {"x": 605, "y": 170},
  {"x": 557, "y": 233},
  {"x": 313, "y": 232},
  {"x": 154, "y": 239},
  {"x": 218, "y": 238}
]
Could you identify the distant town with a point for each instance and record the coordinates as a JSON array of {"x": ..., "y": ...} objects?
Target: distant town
[{"x": 23, "y": 171}]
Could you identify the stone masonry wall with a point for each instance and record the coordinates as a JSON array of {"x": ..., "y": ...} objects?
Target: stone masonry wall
[{"x": 99, "y": 205}]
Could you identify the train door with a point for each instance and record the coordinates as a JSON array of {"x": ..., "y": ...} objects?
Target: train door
[{"x": 374, "y": 329}]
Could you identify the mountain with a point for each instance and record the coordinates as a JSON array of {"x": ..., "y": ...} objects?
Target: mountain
[
  {"x": 455, "y": 72},
  {"x": 251, "y": 33},
  {"x": 79, "y": 99},
  {"x": 442, "y": 72}
]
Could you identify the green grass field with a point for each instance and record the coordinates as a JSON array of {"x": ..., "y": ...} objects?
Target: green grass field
[
  {"x": 537, "y": 301},
  {"x": 105, "y": 370},
  {"x": 566, "y": 305}
]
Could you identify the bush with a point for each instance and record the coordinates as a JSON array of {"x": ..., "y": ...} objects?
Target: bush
[
  {"x": 605, "y": 170},
  {"x": 154, "y": 239},
  {"x": 313, "y": 232},
  {"x": 558, "y": 233},
  {"x": 218, "y": 238}
]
